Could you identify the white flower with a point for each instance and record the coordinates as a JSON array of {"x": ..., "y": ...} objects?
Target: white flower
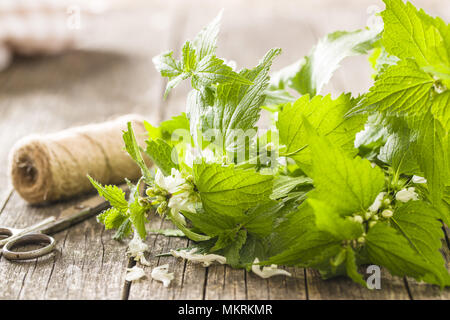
[
  {"x": 191, "y": 255},
  {"x": 406, "y": 195},
  {"x": 136, "y": 249},
  {"x": 134, "y": 274},
  {"x": 171, "y": 183},
  {"x": 268, "y": 271},
  {"x": 161, "y": 274},
  {"x": 418, "y": 179},
  {"x": 377, "y": 203},
  {"x": 181, "y": 191},
  {"x": 387, "y": 213},
  {"x": 358, "y": 219}
]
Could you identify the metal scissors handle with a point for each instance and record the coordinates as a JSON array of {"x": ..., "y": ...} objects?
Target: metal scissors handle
[
  {"x": 39, "y": 233},
  {"x": 15, "y": 237}
]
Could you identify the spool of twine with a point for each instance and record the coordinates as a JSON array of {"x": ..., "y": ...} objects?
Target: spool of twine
[{"x": 46, "y": 168}]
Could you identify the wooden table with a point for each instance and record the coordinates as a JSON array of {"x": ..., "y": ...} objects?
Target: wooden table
[{"x": 112, "y": 74}]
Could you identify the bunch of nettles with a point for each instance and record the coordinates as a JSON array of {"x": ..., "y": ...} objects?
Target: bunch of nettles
[{"x": 333, "y": 184}]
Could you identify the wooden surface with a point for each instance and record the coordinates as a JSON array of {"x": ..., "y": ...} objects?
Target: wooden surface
[{"x": 111, "y": 73}]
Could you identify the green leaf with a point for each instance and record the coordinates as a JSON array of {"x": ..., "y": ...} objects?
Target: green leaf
[
  {"x": 112, "y": 218},
  {"x": 309, "y": 75},
  {"x": 236, "y": 106},
  {"x": 418, "y": 223},
  {"x": 326, "y": 116},
  {"x": 113, "y": 194},
  {"x": 211, "y": 223},
  {"x": 230, "y": 191},
  {"x": 138, "y": 217},
  {"x": 344, "y": 186},
  {"x": 398, "y": 153},
  {"x": 169, "y": 130},
  {"x": 189, "y": 58},
  {"x": 296, "y": 221},
  {"x": 134, "y": 151},
  {"x": 206, "y": 39},
  {"x": 329, "y": 219},
  {"x": 124, "y": 230},
  {"x": 388, "y": 248},
  {"x": 352, "y": 268},
  {"x": 432, "y": 155},
  {"x": 163, "y": 155},
  {"x": 311, "y": 249},
  {"x": 347, "y": 184},
  {"x": 211, "y": 70},
  {"x": 440, "y": 108},
  {"x": 179, "y": 223},
  {"x": 402, "y": 88},
  {"x": 260, "y": 220},
  {"x": 284, "y": 184},
  {"x": 408, "y": 34},
  {"x": 167, "y": 65},
  {"x": 199, "y": 62},
  {"x": 232, "y": 251}
]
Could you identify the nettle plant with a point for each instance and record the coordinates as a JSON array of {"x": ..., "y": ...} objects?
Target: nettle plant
[{"x": 333, "y": 184}]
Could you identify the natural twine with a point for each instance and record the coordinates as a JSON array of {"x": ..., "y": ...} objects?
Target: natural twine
[{"x": 51, "y": 167}]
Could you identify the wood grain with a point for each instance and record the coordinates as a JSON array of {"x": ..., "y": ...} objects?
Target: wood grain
[{"x": 112, "y": 73}]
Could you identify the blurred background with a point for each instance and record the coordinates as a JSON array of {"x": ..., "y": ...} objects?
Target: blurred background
[{"x": 66, "y": 63}]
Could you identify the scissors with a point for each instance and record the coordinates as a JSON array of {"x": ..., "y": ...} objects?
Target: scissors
[{"x": 39, "y": 233}]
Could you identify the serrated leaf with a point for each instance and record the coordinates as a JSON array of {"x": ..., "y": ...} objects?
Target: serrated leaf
[
  {"x": 232, "y": 251},
  {"x": 112, "y": 218},
  {"x": 327, "y": 55},
  {"x": 310, "y": 250},
  {"x": 206, "y": 39},
  {"x": 168, "y": 130},
  {"x": 189, "y": 57},
  {"x": 237, "y": 106},
  {"x": 113, "y": 194},
  {"x": 347, "y": 184},
  {"x": 408, "y": 34},
  {"x": 344, "y": 186},
  {"x": 211, "y": 70},
  {"x": 284, "y": 184},
  {"x": 402, "y": 88},
  {"x": 134, "y": 151},
  {"x": 167, "y": 65},
  {"x": 260, "y": 220},
  {"x": 230, "y": 191},
  {"x": 329, "y": 219},
  {"x": 398, "y": 153},
  {"x": 198, "y": 62},
  {"x": 163, "y": 155},
  {"x": 418, "y": 223},
  {"x": 326, "y": 116},
  {"x": 294, "y": 223},
  {"x": 309, "y": 75},
  {"x": 124, "y": 230},
  {"x": 432, "y": 155},
  {"x": 138, "y": 218},
  {"x": 388, "y": 248},
  {"x": 352, "y": 268},
  {"x": 440, "y": 107}
]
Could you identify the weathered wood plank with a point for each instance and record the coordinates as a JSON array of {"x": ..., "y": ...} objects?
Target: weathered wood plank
[
  {"x": 277, "y": 288},
  {"x": 86, "y": 264},
  {"x": 111, "y": 74},
  {"x": 392, "y": 288}
]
